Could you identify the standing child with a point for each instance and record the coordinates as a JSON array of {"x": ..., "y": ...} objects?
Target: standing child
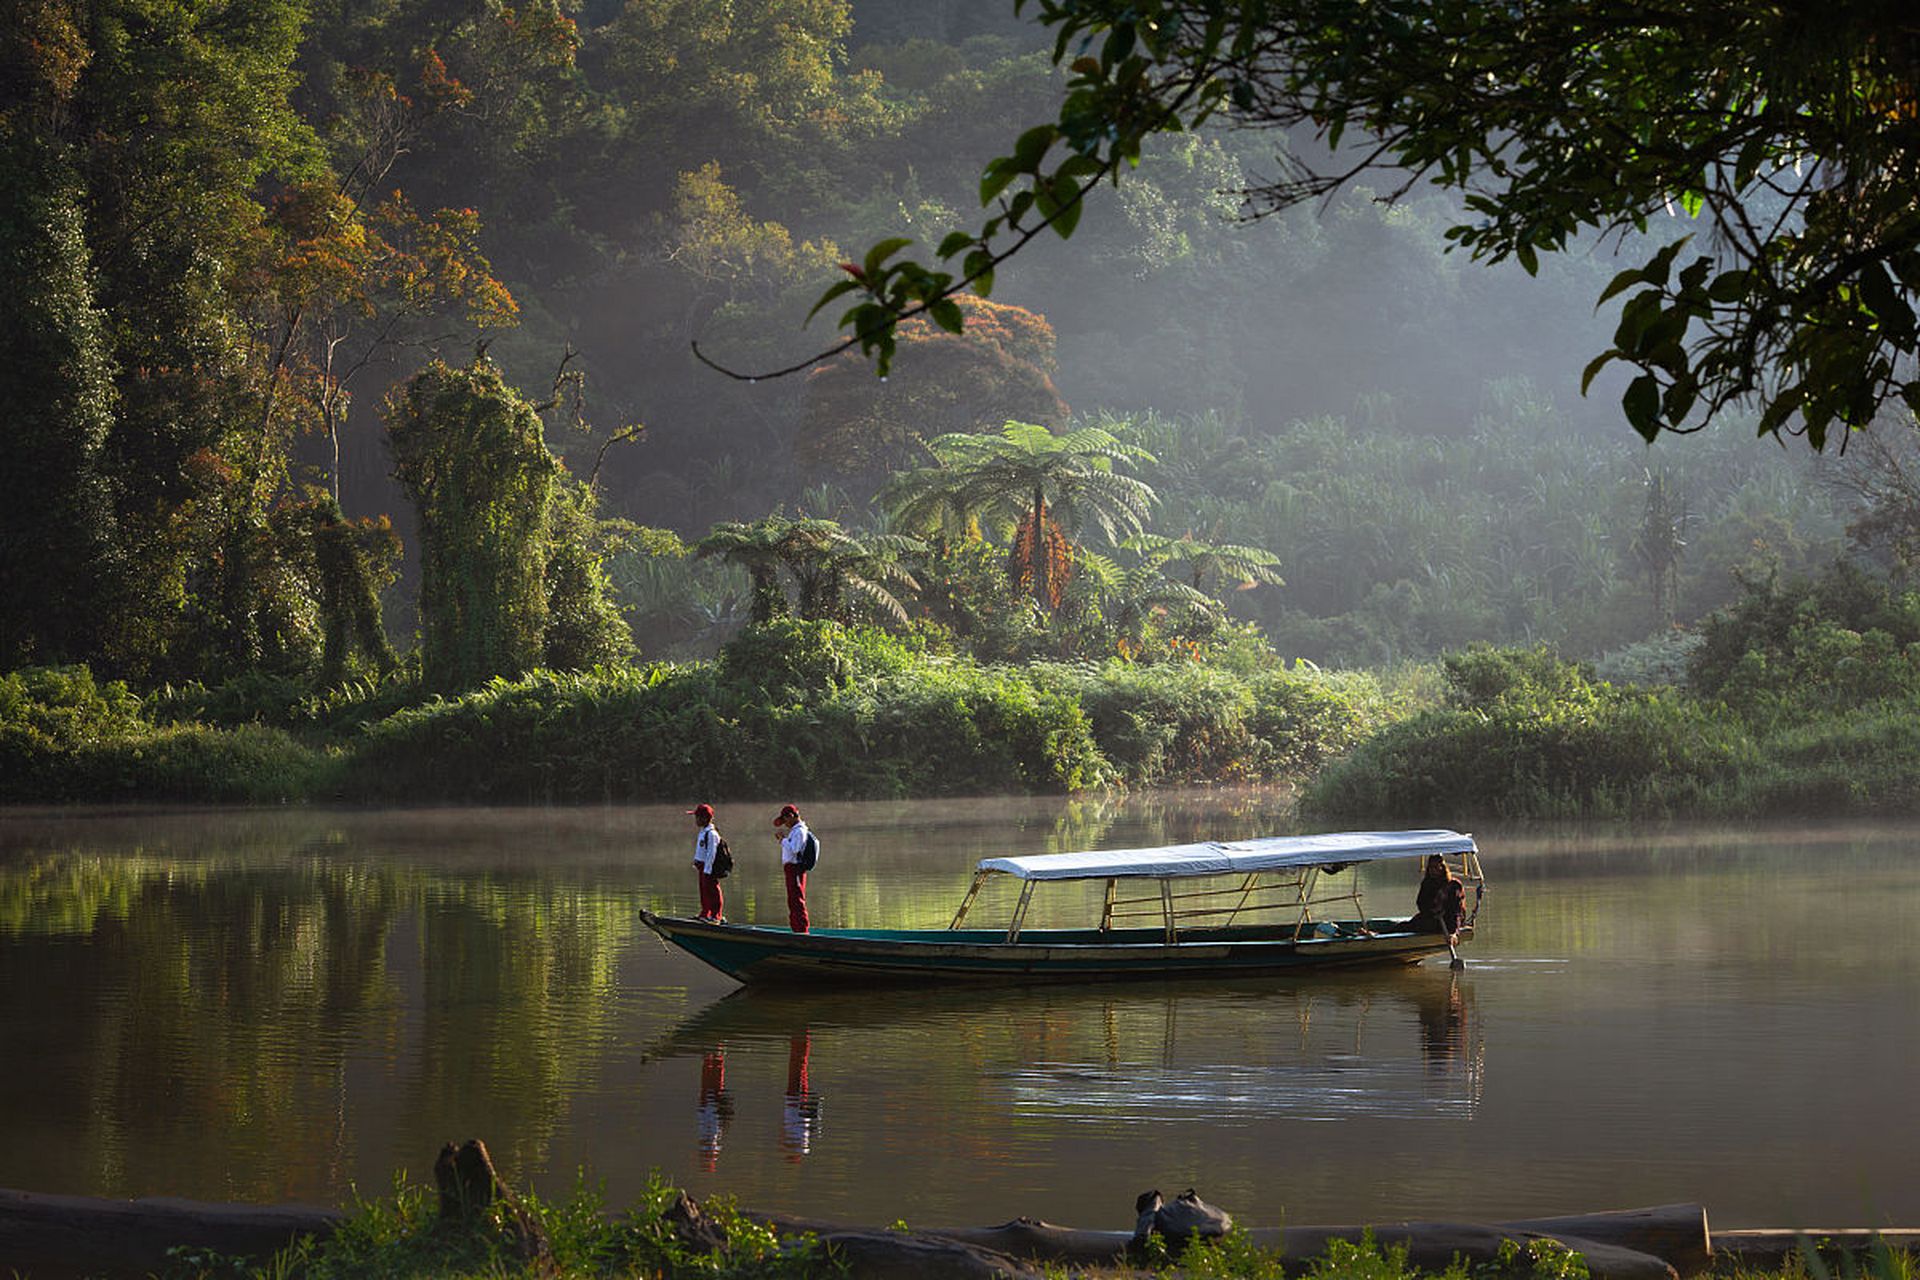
[
  {"x": 706, "y": 856},
  {"x": 799, "y": 850}
]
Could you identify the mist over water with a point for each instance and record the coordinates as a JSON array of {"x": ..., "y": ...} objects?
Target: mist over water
[{"x": 293, "y": 1004}]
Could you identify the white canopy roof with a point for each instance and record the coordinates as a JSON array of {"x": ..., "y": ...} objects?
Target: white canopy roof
[{"x": 1218, "y": 858}]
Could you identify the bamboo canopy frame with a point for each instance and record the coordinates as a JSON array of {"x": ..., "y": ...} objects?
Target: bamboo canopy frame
[{"x": 1280, "y": 881}]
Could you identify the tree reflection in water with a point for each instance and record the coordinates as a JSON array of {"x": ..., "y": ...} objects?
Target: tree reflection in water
[{"x": 151, "y": 1000}]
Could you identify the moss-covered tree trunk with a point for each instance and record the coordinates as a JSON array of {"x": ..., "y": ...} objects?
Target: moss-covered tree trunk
[
  {"x": 58, "y": 557},
  {"x": 471, "y": 454}
]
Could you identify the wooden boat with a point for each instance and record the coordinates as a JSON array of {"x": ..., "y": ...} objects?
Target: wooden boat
[{"x": 1216, "y": 909}]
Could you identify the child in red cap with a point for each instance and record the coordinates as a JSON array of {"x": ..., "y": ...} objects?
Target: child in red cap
[
  {"x": 706, "y": 850},
  {"x": 798, "y": 851}
]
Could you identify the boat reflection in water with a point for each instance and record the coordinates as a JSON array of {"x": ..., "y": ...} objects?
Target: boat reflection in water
[
  {"x": 1384, "y": 1045},
  {"x": 1349, "y": 1059}
]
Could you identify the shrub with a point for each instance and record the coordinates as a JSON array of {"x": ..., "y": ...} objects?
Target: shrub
[
  {"x": 1526, "y": 735},
  {"x": 47, "y": 716},
  {"x": 65, "y": 738},
  {"x": 1658, "y": 660}
]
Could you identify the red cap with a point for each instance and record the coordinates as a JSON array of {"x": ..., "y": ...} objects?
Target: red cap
[
  {"x": 704, "y": 812},
  {"x": 787, "y": 814}
]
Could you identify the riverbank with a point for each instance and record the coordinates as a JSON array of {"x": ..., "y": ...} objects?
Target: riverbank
[
  {"x": 1801, "y": 700},
  {"x": 472, "y": 1224},
  {"x": 807, "y": 709}
]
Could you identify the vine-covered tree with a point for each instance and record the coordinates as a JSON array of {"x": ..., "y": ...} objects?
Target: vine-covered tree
[
  {"x": 584, "y": 627},
  {"x": 60, "y": 560},
  {"x": 470, "y": 452}
]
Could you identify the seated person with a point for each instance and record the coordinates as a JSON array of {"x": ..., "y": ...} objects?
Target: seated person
[{"x": 1441, "y": 904}]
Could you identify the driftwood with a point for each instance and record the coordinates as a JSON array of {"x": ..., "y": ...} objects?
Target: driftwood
[
  {"x": 1767, "y": 1250},
  {"x": 54, "y": 1237},
  {"x": 473, "y": 1198},
  {"x": 1637, "y": 1244}
]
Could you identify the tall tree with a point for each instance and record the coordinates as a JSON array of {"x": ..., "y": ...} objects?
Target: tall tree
[
  {"x": 1046, "y": 487},
  {"x": 61, "y": 563}
]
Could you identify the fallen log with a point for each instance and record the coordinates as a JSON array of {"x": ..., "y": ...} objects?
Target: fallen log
[
  {"x": 1430, "y": 1245},
  {"x": 1768, "y": 1250},
  {"x": 1677, "y": 1233},
  {"x": 55, "y": 1237},
  {"x": 1630, "y": 1244}
]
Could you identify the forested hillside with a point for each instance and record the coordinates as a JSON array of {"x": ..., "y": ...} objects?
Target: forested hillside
[{"x": 356, "y": 342}]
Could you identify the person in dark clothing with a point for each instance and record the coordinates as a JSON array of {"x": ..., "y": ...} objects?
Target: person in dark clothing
[{"x": 1441, "y": 904}]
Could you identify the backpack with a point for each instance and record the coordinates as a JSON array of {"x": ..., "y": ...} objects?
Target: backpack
[
  {"x": 809, "y": 855},
  {"x": 722, "y": 858}
]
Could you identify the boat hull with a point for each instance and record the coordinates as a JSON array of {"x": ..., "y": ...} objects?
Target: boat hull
[{"x": 766, "y": 956}]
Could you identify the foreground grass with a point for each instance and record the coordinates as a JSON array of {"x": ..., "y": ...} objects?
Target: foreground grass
[{"x": 399, "y": 1237}]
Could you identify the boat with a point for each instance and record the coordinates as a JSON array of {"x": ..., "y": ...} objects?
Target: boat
[{"x": 1214, "y": 909}]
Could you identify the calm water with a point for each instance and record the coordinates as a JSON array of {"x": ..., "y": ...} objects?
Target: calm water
[{"x": 289, "y": 1004}]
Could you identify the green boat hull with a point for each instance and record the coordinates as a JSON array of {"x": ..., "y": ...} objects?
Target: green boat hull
[{"x": 767, "y": 956}]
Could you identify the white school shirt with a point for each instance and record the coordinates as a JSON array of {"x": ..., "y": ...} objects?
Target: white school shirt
[
  {"x": 792, "y": 843},
  {"x": 706, "y": 847}
]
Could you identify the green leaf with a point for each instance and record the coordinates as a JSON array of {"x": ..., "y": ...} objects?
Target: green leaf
[
  {"x": 954, "y": 242},
  {"x": 880, "y": 253},
  {"x": 1594, "y": 366},
  {"x": 947, "y": 314},
  {"x": 1076, "y": 167},
  {"x": 1529, "y": 261},
  {"x": 1889, "y": 308},
  {"x": 1642, "y": 405},
  {"x": 1730, "y": 286},
  {"x": 1680, "y": 399},
  {"x": 1661, "y": 264},
  {"x": 1625, "y": 280},
  {"x": 844, "y": 287},
  {"x": 995, "y": 179},
  {"x": 1032, "y": 146},
  {"x": 1069, "y": 216}
]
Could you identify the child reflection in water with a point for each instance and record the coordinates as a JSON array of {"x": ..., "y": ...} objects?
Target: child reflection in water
[
  {"x": 716, "y": 1106},
  {"x": 800, "y": 1120}
]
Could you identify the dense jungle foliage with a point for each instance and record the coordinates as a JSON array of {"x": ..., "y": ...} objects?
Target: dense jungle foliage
[{"x": 308, "y": 496}]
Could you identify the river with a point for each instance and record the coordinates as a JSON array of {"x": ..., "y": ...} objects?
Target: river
[{"x": 294, "y": 1004}]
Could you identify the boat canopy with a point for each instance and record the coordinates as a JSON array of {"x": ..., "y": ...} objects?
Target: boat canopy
[{"x": 1220, "y": 857}]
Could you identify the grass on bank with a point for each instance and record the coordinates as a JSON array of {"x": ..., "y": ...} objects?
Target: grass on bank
[
  {"x": 400, "y": 1238},
  {"x": 1803, "y": 699}
]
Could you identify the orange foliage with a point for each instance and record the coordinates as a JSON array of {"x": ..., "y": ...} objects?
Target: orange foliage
[
  {"x": 443, "y": 88},
  {"x": 998, "y": 369},
  {"x": 1040, "y": 562}
]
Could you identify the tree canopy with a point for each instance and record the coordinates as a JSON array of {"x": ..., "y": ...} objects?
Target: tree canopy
[{"x": 1781, "y": 141}]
